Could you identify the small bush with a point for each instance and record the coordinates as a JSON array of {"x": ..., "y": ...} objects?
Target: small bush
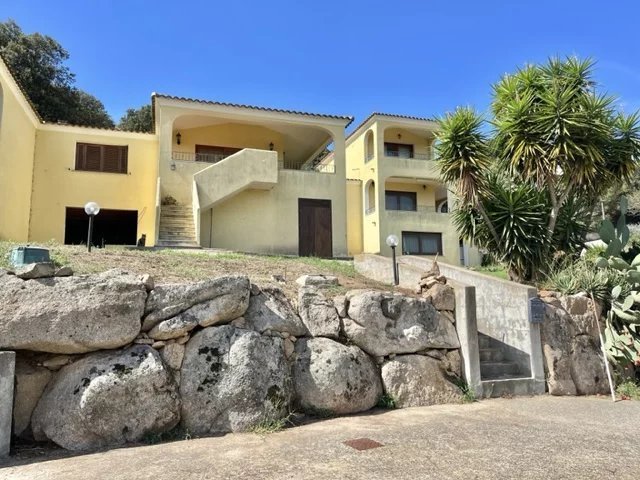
[
  {"x": 629, "y": 390},
  {"x": 387, "y": 401},
  {"x": 468, "y": 394},
  {"x": 582, "y": 276}
]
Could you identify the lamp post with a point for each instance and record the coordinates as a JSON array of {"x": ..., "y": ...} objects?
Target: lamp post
[
  {"x": 393, "y": 241},
  {"x": 91, "y": 209}
]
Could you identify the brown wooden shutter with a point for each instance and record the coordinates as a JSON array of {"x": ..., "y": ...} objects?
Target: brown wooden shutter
[{"x": 102, "y": 158}]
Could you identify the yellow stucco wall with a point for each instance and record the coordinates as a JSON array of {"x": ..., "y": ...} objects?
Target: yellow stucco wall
[
  {"x": 177, "y": 183},
  {"x": 57, "y": 185},
  {"x": 421, "y": 143},
  {"x": 17, "y": 140},
  {"x": 354, "y": 217},
  {"x": 266, "y": 221},
  {"x": 424, "y": 196}
]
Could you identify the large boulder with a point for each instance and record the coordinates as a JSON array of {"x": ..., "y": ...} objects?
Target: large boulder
[
  {"x": 571, "y": 347},
  {"x": 318, "y": 313},
  {"x": 108, "y": 398},
  {"x": 383, "y": 324},
  {"x": 36, "y": 270},
  {"x": 227, "y": 298},
  {"x": 272, "y": 310},
  {"x": 418, "y": 380},
  {"x": 70, "y": 314},
  {"x": 233, "y": 379},
  {"x": 31, "y": 381},
  {"x": 317, "y": 281},
  {"x": 331, "y": 378}
]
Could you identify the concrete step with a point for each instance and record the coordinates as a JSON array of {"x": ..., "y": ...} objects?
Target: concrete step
[
  {"x": 177, "y": 244},
  {"x": 484, "y": 341},
  {"x": 491, "y": 355},
  {"x": 496, "y": 370}
]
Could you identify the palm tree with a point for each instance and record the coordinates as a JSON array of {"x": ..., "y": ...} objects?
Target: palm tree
[{"x": 550, "y": 128}]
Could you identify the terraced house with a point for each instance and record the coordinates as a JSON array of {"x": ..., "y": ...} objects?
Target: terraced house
[{"x": 221, "y": 175}]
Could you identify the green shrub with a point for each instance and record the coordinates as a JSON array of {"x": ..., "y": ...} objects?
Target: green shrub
[
  {"x": 582, "y": 276},
  {"x": 387, "y": 401},
  {"x": 629, "y": 389}
]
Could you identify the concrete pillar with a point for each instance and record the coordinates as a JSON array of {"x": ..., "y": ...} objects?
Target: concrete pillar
[
  {"x": 7, "y": 379},
  {"x": 467, "y": 327}
]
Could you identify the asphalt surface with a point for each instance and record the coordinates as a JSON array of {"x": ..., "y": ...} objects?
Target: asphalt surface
[{"x": 522, "y": 438}]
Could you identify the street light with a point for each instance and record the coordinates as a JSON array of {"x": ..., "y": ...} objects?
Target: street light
[
  {"x": 91, "y": 209},
  {"x": 393, "y": 241}
]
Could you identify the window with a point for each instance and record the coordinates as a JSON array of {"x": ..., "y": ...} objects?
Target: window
[
  {"x": 421, "y": 243},
  {"x": 399, "y": 150},
  {"x": 400, "y": 201},
  {"x": 101, "y": 158},
  {"x": 213, "y": 153}
]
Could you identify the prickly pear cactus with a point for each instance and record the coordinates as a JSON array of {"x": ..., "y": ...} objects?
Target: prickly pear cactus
[{"x": 622, "y": 332}]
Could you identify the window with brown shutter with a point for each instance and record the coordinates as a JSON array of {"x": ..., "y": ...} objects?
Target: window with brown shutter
[{"x": 101, "y": 158}]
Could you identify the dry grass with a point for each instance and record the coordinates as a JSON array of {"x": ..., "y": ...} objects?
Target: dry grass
[{"x": 167, "y": 265}]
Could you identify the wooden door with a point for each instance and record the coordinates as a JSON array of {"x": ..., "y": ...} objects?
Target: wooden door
[{"x": 314, "y": 228}]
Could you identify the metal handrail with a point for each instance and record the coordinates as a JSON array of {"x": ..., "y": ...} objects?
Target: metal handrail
[
  {"x": 320, "y": 168},
  {"x": 197, "y": 157},
  {"x": 414, "y": 156},
  {"x": 419, "y": 209}
]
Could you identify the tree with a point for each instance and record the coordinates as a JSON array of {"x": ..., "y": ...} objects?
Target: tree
[
  {"x": 558, "y": 145},
  {"x": 37, "y": 63},
  {"x": 137, "y": 120}
]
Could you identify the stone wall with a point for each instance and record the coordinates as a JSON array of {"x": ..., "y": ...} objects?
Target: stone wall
[
  {"x": 112, "y": 358},
  {"x": 571, "y": 346}
]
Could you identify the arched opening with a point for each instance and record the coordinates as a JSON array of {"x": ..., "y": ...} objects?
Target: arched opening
[
  {"x": 368, "y": 146},
  {"x": 370, "y": 197}
]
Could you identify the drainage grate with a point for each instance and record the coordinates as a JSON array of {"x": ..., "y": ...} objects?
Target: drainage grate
[{"x": 363, "y": 444}]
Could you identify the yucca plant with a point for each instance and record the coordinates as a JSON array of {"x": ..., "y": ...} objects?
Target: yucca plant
[{"x": 551, "y": 133}]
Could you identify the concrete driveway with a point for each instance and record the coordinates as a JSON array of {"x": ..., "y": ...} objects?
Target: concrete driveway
[{"x": 538, "y": 438}]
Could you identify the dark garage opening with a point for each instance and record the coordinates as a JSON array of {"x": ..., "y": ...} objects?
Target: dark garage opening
[{"x": 110, "y": 227}]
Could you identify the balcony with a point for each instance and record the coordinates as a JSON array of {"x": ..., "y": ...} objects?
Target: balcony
[
  {"x": 212, "y": 158},
  {"x": 408, "y": 155}
]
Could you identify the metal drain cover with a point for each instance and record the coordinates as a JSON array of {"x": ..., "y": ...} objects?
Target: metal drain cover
[{"x": 363, "y": 444}]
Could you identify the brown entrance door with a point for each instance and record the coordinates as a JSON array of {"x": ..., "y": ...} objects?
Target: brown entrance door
[{"x": 314, "y": 228}]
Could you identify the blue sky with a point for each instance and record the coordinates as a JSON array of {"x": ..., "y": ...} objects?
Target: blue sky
[{"x": 349, "y": 57}]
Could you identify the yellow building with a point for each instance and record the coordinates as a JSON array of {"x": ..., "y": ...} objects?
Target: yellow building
[
  {"x": 222, "y": 175},
  {"x": 395, "y": 189}
]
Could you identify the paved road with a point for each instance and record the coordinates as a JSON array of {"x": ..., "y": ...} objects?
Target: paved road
[{"x": 523, "y": 438}]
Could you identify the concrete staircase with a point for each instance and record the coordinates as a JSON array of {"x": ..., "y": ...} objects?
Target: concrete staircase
[
  {"x": 493, "y": 362},
  {"x": 176, "y": 227}
]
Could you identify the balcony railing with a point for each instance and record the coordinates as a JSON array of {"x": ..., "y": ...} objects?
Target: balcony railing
[
  {"x": 412, "y": 156},
  {"x": 320, "y": 168},
  {"x": 283, "y": 165},
  {"x": 197, "y": 157},
  {"x": 418, "y": 209}
]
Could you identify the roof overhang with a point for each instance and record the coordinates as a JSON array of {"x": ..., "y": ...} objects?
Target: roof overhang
[{"x": 401, "y": 121}]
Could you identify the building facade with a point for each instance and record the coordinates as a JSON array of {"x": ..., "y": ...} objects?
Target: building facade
[{"x": 221, "y": 175}]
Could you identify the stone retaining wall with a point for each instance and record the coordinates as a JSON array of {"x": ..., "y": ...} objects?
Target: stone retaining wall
[{"x": 111, "y": 358}]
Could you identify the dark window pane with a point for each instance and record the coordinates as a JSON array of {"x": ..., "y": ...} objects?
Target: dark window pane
[{"x": 421, "y": 243}]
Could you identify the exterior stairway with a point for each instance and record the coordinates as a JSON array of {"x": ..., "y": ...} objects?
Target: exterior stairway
[
  {"x": 176, "y": 227},
  {"x": 493, "y": 362}
]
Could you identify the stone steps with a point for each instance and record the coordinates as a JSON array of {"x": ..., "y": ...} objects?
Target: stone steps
[
  {"x": 176, "y": 227},
  {"x": 491, "y": 355},
  {"x": 496, "y": 370}
]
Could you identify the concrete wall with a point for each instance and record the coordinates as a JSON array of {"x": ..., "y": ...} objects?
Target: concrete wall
[
  {"x": 18, "y": 125},
  {"x": 266, "y": 221},
  {"x": 380, "y": 269},
  {"x": 57, "y": 185},
  {"x": 354, "y": 217},
  {"x": 502, "y": 311}
]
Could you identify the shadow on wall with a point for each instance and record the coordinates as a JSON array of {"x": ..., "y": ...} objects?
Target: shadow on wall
[{"x": 499, "y": 361}]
